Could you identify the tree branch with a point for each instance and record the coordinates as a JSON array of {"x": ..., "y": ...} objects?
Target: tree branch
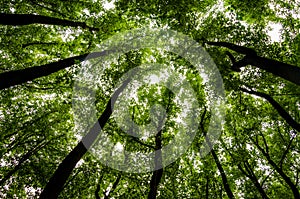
[
  {"x": 113, "y": 187},
  {"x": 234, "y": 47},
  {"x": 26, "y": 19},
  {"x": 15, "y": 77},
  {"x": 286, "y": 71},
  {"x": 287, "y": 179},
  {"x": 277, "y": 107}
]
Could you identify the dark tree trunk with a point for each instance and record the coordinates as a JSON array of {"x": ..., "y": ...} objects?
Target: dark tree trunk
[
  {"x": 285, "y": 115},
  {"x": 158, "y": 166},
  {"x": 207, "y": 188},
  {"x": 60, "y": 176},
  {"x": 223, "y": 175},
  {"x": 97, "y": 192},
  {"x": 26, "y": 19},
  {"x": 16, "y": 77},
  {"x": 286, "y": 71},
  {"x": 157, "y": 174},
  {"x": 113, "y": 187},
  {"x": 97, "y": 196},
  {"x": 216, "y": 159}
]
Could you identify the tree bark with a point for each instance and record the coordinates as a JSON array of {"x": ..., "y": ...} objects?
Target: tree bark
[
  {"x": 283, "y": 70},
  {"x": 12, "y": 78},
  {"x": 207, "y": 188},
  {"x": 239, "y": 49},
  {"x": 97, "y": 196},
  {"x": 26, "y": 19},
  {"x": 157, "y": 174},
  {"x": 277, "y": 107},
  {"x": 287, "y": 180},
  {"x": 97, "y": 192},
  {"x": 286, "y": 71},
  {"x": 60, "y": 176},
  {"x": 223, "y": 175},
  {"x": 216, "y": 159}
]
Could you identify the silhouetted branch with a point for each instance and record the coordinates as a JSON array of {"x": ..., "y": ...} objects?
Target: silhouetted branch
[
  {"x": 26, "y": 19},
  {"x": 285, "y": 115}
]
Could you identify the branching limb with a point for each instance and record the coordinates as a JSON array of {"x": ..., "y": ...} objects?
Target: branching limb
[
  {"x": 239, "y": 49},
  {"x": 284, "y": 114}
]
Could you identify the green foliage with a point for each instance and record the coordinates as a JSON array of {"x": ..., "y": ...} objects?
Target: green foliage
[{"x": 39, "y": 113}]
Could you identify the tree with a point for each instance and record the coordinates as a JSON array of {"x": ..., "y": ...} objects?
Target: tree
[{"x": 44, "y": 46}]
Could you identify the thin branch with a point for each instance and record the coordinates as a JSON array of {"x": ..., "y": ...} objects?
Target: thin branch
[
  {"x": 234, "y": 47},
  {"x": 113, "y": 187},
  {"x": 39, "y": 43},
  {"x": 97, "y": 196},
  {"x": 26, "y": 19},
  {"x": 286, "y": 152},
  {"x": 47, "y": 8}
]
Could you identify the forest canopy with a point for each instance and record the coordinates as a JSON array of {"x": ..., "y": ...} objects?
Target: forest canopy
[{"x": 150, "y": 99}]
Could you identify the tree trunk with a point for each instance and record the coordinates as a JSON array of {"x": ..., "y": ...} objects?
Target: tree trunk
[
  {"x": 207, "y": 188},
  {"x": 223, "y": 175},
  {"x": 157, "y": 174},
  {"x": 21, "y": 76},
  {"x": 26, "y": 19},
  {"x": 216, "y": 159},
  {"x": 60, "y": 176},
  {"x": 277, "y": 106},
  {"x": 113, "y": 187},
  {"x": 286, "y": 71}
]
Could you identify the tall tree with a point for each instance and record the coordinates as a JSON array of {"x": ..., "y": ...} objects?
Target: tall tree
[{"x": 59, "y": 178}]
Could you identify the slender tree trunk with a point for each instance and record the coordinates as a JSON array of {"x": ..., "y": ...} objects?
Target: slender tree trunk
[
  {"x": 250, "y": 174},
  {"x": 223, "y": 175},
  {"x": 157, "y": 174},
  {"x": 21, "y": 76},
  {"x": 287, "y": 180},
  {"x": 216, "y": 159},
  {"x": 286, "y": 71},
  {"x": 97, "y": 192},
  {"x": 97, "y": 196},
  {"x": 277, "y": 106},
  {"x": 60, "y": 176},
  {"x": 26, "y": 19}
]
